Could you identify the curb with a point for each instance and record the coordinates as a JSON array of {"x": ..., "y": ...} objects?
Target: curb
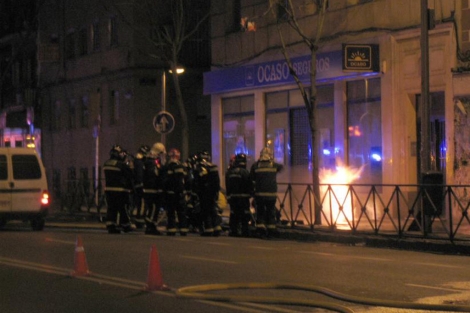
[{"x": 458, "y": 247}]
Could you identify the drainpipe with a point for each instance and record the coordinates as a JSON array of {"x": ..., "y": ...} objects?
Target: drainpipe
[{"x": 424, "y": 108}]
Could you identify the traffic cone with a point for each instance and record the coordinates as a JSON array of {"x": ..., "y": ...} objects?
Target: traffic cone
[
  {"x": 79, "y": 260},
  {"x": 155, "y": 279}
]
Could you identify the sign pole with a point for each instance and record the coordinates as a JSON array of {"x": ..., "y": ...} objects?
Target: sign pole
[{"x": 163, "y": 135}]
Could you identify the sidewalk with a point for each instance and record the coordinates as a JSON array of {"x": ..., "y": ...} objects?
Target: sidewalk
[{"x": 95, "y": 220}]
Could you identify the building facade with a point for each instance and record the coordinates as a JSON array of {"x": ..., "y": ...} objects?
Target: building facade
[
  {"x": 19, "y": 125},
  {"x": 367, "y": 119},
  {"x": 100, "y": 86}
]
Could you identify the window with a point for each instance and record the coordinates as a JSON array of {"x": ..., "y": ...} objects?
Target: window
[
  {"x": 365, "y": 128},
  {"x": 84, "y": 112},
  {"x": 114, "y": 107},
  {"x": 56, "y": 115},
  {"x": 112, "y": 31},
  {"x": 239, "y": 128},
  {"x": 236, "y": 15},
  {"x": 72, "y": 114},
  {"x": 283, "y": 9},
  {"x": 95, "y": 35},
  {"x": 289, "y": 136},
  {"x": 70, "y": 46},
  {"x": 82, "y": 42},
  {"x": 25, "y": 166},
  {"x": 3, "y": 167}
]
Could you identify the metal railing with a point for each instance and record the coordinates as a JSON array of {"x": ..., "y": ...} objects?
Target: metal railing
[
  {"x": 421, "y": 210},
  {"x": 79, "y": 195},
  {"x": 424, "y": 210}
]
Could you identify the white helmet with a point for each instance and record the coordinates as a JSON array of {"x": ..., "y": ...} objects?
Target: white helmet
[
  {"x": 266, "y": 154},
  {"x": 157, "y": 149}
]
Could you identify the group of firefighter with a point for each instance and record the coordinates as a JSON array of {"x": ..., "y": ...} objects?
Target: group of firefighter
[{"x": 141, "y": 187}]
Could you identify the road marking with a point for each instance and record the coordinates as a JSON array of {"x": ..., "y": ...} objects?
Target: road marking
[
  {"x": 263, "y": 248},
  {"x": 318, "y": 253},
  {"x": 431, "y": 287},
  {"x": 114, "y": 281},
  {"x": 34, "y": 266},
  {"x": 267, "y": 308},
  {"x": 208, "y": 260},
  {"x": 345, "y": 256},
  {"x": 441, "y": 265},
  {"x": 48, "y": 239},
  {"x": 218, "y": 244}
]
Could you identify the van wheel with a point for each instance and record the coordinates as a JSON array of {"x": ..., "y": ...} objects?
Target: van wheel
[{"x": 38, "y": 223}]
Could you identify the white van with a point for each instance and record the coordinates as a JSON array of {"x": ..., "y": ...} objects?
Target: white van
[{"x": 23, "y": 187}]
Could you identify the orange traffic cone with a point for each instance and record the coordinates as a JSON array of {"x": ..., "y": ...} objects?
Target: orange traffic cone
[
  {"x": 155, "y": 279},
  {"x": 80, "y": 263}
]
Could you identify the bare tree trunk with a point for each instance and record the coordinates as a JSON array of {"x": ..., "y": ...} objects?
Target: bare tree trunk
[
  {"x": 313, "y": 117},
  {"x": 184, "y": 116}
]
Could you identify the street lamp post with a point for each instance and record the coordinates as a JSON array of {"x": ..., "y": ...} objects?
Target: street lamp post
[{"x": 179, "y": 70}]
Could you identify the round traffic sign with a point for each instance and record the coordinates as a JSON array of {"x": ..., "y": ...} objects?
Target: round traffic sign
[{"x": 164, "y": 122}]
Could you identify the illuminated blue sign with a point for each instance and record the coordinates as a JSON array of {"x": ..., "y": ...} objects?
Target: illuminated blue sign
[{"x": 329, "y": 66}]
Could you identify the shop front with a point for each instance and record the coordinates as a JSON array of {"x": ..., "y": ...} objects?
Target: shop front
[{"x": 367, "y": 119}]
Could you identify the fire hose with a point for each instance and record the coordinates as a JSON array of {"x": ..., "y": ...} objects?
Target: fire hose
[{"x": 198, "y": 292}]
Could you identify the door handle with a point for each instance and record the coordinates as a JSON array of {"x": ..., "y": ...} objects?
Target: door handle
[{"x": 12, "y": 184}]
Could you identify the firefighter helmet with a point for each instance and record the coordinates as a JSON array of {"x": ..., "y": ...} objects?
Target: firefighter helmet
[
  {"x": 240, "y": 159},
  {"x": 266, "y": 154},
  {"x": 157, "y": 149},
  {"x": 204, "y": 155},
  {"x": 116, "y": 152},
  {"x": 174, "y": 154},
  {"x": 144, "y": 149}
]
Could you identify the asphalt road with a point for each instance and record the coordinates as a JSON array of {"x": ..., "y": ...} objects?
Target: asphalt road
[{"x": 35, "y": 272}]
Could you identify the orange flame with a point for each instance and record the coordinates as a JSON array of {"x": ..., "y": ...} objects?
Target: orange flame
[{"x": 343, "y": 175}]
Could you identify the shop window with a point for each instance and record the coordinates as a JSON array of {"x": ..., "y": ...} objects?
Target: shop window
[
  {"x": 288, "y": 132},
  {"x": 239, "y": 128},
  {"x": 365, "y": 129}
]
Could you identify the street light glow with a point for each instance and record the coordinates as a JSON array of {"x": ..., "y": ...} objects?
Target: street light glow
[{"x": 179, "y": 70}]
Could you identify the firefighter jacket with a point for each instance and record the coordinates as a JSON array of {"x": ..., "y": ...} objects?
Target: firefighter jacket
[
  {"x": 175, "y": 178},
  {"x": 154, "y": 174},
  {"x": 118, "y": 176},
  {"x": 207, "y": 180},
  {"x": 263, "y": 174},
  {"x": 139, "y": 171},
  {"x": 238, "y": 183}
]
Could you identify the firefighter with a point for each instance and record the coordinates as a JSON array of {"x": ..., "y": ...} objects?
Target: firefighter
[
  {"x": 207, "y": 187},
  {"x": 139, "y": 160},
  {"x": 153, "y": 184},
  {"x": 263, "y": 174},
  {"x": 118, "y": 178},
  {"x": 193, "y": 208},
  {"x": 175, "y": 194},
  {"x": 239, "y": 188}
]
